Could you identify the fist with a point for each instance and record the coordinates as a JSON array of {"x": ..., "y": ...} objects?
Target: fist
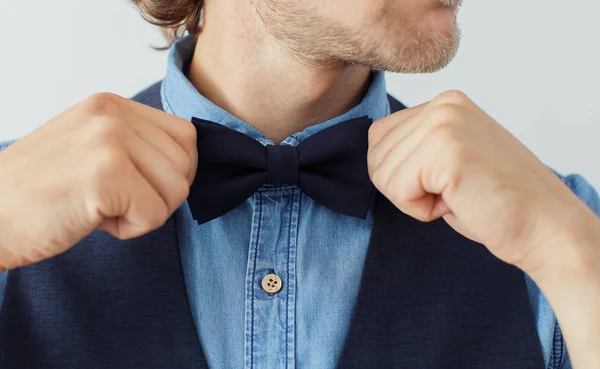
[
  {"x": 447, "y": 158},
  {"x": 107, "y": 163}
]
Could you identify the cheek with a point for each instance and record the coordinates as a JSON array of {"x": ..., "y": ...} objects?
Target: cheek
[{"x": 352, "y": 13}]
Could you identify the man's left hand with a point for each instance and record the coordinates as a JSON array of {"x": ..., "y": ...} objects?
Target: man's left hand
[{"x": 448, "y": 158}]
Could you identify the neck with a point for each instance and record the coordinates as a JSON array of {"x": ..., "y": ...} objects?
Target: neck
[{"x": 246, "y": 72}]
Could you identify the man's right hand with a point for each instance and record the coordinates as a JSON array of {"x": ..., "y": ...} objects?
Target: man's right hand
[{"x": 107, "y": 163}]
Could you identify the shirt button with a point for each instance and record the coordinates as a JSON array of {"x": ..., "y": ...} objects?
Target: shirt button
[{"x": 272, "y": 284}]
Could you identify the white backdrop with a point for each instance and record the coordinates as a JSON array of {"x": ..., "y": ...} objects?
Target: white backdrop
[{"x": 531, "y": 64}]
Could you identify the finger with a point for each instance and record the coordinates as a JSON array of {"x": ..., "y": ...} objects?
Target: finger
[
  {"x": 381, "y": 127},
  {"x": 406, "y": 134},
  {"x": 458, "y": 226},
  {"x": 165, "y": 144},
  {"x": 405, "y": 137},
  {"x": 410, "y": 185},
  {"x": 181, "y": 130},
  {"x": 146, "y": 211},
  {"x": 167, "y": 181},
  {"x": 132, "y": 206},
  {"x": 452, "y": 97}
]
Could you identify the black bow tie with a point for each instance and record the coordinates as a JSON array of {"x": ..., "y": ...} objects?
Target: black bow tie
[{"x": 329, "y": 166}]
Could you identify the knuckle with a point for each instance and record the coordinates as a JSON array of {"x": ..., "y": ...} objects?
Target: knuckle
[
  {"x": 453, "y": 97},
  {"x": 103, "y": 104},
  {"x": 444, "y": 133},
  {"x": 105, "y": 132},
  {"x": 446, "y": 114}
]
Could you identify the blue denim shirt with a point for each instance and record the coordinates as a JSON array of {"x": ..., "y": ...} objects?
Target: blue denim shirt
[{"x": 318, "y": 254}]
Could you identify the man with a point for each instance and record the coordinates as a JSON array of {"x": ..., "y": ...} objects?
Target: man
[{"x": 240, "y": 227}]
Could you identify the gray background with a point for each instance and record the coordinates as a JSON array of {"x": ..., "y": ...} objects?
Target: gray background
[{"x": 531, "y": 64}]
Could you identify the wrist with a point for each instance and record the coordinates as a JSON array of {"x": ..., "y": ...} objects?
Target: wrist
[
  {"x": 573, "y": 261},
  {"x": 570, "y": 279},
  {"x": 563, "y": 240},
  {"x": 567, "y": 264}
]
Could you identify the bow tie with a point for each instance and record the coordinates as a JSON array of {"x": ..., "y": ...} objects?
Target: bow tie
[{"x": 330, "y": 167}]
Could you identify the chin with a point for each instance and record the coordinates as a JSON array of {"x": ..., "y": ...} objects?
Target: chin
[
  {"x": 428, "y": 51},
  {"x": 423, "y": 42}
]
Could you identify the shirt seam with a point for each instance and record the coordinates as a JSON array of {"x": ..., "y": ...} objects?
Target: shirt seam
[
  {"x": 560, "y": 342},
  {"x": 556, "y": 355},
  {"x": 254, "y": 281},
  {"x": 287, "y": 306}
]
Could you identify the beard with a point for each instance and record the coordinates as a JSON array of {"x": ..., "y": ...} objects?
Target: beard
[
  {"x": 392, "y": 43},
  {"x": 451, "y": 2}
]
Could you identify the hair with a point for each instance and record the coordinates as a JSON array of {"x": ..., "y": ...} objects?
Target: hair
[{"x": 175, "y": 17}]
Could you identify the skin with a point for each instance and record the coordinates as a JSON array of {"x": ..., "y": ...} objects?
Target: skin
[
  {"x": 107, "y": 163},
  {"x": 283, "y": 65},
  {"x": 447, "y": 158}
]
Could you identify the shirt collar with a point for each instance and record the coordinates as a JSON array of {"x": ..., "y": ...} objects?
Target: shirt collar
[{"x": 180, "y": 97}]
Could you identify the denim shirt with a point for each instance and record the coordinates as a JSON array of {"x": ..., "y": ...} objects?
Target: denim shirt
[{"x": 317, "y": 253}]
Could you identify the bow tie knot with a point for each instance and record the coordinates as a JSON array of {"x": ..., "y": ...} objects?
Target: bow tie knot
[{"x": 283, "y": 165}]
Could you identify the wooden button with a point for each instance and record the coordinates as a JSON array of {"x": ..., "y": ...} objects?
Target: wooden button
[{"x": 272, "y": 284}]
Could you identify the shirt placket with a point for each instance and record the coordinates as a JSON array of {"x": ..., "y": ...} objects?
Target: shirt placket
[{"x": 269, "y": 307}]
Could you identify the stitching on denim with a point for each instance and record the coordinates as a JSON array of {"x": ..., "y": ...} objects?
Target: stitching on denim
[
  {"x": 287, "y": 306},
  {"x": 558, "y": 345},
  {"x": 551, "y": 359},
  {"x": 556, "y": 354},
  {"x": 254, "y": 281}
]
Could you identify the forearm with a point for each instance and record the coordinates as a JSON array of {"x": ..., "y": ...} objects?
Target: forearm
[{"x": 572, "y": 285}]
